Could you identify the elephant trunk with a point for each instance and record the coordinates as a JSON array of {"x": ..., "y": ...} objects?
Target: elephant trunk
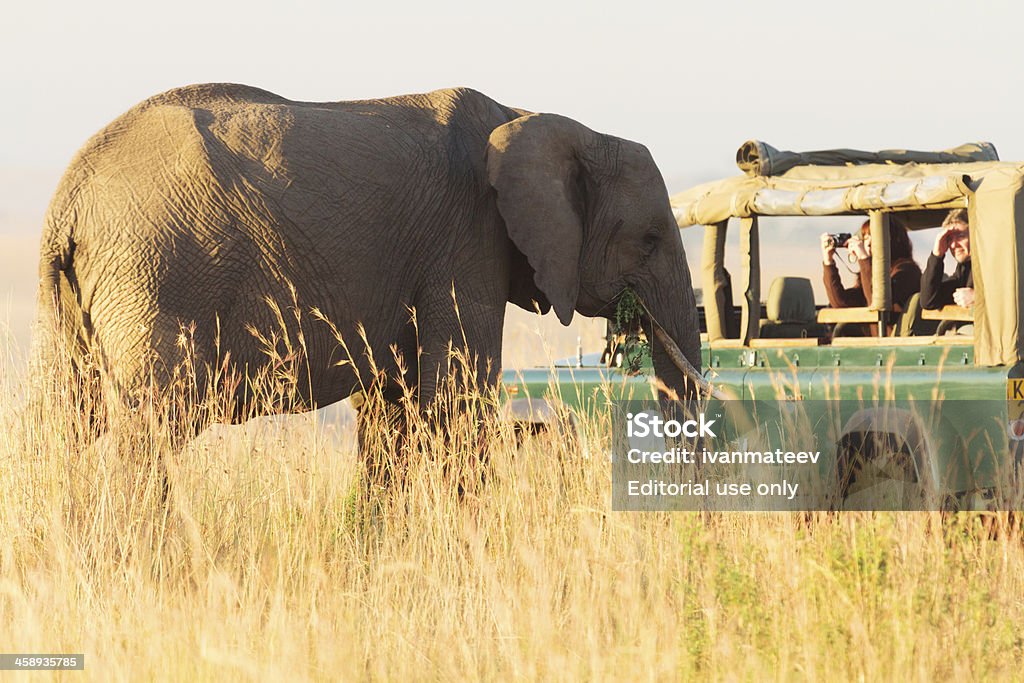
[
  {"x": 691, "y": 374},
  {"x": 672, "y": 324}
]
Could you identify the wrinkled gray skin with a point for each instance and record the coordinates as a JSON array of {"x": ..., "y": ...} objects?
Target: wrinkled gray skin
[{"x": 199, "y": 204}]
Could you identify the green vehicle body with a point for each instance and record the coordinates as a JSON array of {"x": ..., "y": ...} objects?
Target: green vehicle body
[
  {"x": 876, "y": 388},
  {"x": 941, "y": 398}
]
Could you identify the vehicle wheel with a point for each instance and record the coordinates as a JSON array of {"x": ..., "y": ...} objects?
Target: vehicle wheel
[{"x": 877, "y": 472}]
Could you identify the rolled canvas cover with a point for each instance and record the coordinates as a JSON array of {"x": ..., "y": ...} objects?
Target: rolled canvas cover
[
  {"x": 759, "y": 158},
  {"x": 826, "y": 192}
]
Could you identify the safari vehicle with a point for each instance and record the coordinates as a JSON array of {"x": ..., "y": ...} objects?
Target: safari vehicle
[{"x": 784, "y": 347}]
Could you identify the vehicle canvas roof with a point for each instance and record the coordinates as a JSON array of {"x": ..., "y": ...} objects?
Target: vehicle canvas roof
[{"x": 842, "y": 181}]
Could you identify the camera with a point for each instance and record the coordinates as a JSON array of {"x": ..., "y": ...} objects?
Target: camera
[{"x": 839, "y": 239}]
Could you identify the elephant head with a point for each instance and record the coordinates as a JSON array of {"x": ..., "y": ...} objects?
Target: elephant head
[{"x": 591, "y": 214}]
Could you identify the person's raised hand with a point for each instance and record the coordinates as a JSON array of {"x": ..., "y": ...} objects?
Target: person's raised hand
[
  {"x": 942, "y": 241},
  {"x": 828, "y": 249},
  {"x": 857, "y": 248}
]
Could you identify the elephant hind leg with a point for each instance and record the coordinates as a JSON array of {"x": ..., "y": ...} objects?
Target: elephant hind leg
[
  {"x": 149, "y": 419},
  {"x": 67, "y": 416}
]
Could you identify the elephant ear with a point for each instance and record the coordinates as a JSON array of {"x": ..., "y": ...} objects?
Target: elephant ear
[{"x": 533, "y": 165}]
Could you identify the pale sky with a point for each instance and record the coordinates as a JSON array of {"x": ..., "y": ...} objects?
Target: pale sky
[{"x": 691, "y": 81}]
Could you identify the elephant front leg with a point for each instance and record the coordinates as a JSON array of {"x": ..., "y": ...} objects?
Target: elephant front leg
[
  {"x": 458, "y": 358},
  {"x": 458, "y": 369}
]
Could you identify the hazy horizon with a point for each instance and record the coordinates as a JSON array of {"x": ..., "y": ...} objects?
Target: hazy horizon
[{"x": 691, "y": 83}]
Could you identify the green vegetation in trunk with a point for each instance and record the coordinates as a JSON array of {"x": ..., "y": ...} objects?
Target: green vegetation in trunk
[{"x": 636, "y": 349}]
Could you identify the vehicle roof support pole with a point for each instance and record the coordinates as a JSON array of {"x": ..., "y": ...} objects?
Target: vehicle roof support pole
[
  {"x": 881, "y": 262},
  {"x": 717, "y": 293},
  {"x": 750, "y": 253}
]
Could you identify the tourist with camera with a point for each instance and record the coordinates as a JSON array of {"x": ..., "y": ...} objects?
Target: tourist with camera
[{"x": 904, "y": 271}]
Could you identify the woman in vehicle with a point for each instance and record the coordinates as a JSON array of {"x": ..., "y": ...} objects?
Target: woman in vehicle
[{"x": 904, "y": 272}]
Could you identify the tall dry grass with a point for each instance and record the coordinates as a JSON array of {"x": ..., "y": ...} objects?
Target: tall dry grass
[{"x": 273, "y": 560}]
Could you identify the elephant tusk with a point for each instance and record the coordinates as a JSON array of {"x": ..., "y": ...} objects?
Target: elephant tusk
[{"x": 679, "y": 360}]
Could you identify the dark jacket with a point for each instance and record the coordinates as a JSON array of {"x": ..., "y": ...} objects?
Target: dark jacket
[
  {"x": 906, "y": 281},
  {"x": 936, "y": 290}
]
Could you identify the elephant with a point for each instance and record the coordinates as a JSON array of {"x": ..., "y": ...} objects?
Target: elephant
[{"x": 222, "y": 222}]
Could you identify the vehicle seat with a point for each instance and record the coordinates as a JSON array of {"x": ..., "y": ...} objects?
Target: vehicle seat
[
  {"x": 790, "y": 310},
  {"x": 911, "y": 322}
]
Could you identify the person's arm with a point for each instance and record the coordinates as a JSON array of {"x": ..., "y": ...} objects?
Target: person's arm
[
  {"x": 839, "y": 296},
  {"x": 935, "y": 291}
]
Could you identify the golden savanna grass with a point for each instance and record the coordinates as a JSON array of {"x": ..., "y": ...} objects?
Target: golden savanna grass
[{"x": 273, "y": 560}]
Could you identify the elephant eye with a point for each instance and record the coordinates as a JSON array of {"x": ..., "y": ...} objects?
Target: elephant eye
[{"x": 651, "y": 239}]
